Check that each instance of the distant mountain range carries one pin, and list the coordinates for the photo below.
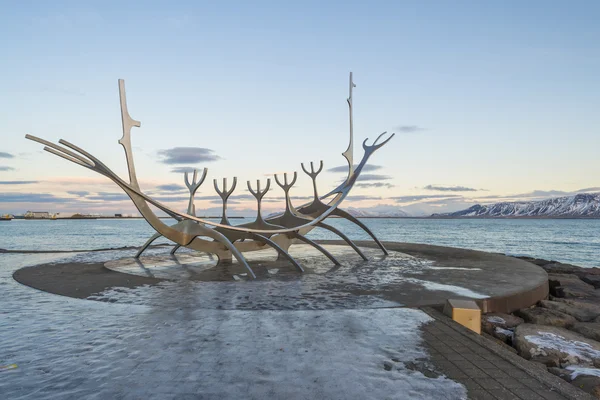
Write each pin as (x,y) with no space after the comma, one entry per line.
(385,213)
(583,205)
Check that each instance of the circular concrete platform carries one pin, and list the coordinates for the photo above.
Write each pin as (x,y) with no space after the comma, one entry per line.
(412,275)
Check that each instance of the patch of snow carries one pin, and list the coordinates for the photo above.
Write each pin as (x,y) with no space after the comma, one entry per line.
(575,349)
(506,332)
(458,290)
(494,319)
(458,268)
(583,371)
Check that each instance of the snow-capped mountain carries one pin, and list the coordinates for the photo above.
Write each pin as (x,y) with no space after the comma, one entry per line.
(377,212)
(584,205)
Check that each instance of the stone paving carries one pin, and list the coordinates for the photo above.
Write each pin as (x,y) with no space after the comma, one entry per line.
(487,370)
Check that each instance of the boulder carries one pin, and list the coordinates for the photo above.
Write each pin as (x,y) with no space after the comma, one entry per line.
(500,325)
(554,267)
(537,261)
(545,316)
(590,330)
(561,373)
(591,306)
(558,344)
(593,280)
(569,286)
(505,321)
(588,383)
(583,313)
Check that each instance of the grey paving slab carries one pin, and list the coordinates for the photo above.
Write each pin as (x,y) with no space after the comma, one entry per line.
(487,370)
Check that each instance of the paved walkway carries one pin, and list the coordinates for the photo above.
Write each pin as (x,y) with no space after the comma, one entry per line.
(488,370)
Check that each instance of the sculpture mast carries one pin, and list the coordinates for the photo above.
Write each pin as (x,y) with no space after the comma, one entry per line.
(349,153)
(125,141)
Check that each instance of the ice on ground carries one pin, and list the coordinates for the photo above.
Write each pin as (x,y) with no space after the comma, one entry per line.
(506,332)
(577,351)
(494,319)
(458,290)
(583,371)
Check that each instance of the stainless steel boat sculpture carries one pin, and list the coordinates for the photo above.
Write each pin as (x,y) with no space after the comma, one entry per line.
(223,239)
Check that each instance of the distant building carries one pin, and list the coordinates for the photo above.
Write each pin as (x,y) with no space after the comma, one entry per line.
(118,215)
(37,215)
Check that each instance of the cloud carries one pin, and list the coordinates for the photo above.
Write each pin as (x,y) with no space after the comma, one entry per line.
(107,196)
(171,199)
(373,177)
(182,170)
(6,155)
(421,197)
(590,189)
(171,187)
(80,193)
(17,182)
(359,197)
(5,168)
(32,198)
(409,128)
(374,185)
(450,188)
(187,155)
(344,168)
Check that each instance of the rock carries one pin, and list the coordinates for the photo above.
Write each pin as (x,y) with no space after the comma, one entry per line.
(549,361)
(554,267)
(569,286)
(505,321)
(505,335)
(500,325)
(565,347)
(597,319)
(590,330)
(545,316)
(593,280)
(591,306)
(561,373)
(537,261)
(583,314)
(588,383)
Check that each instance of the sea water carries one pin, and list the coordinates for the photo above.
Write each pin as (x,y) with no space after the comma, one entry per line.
(575,241)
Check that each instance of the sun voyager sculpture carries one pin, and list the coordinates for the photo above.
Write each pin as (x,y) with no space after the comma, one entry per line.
(223,239)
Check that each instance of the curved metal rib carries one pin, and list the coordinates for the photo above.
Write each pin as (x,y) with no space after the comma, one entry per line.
(281,251)
(174,249)
(346,239)
(148,243)
(349,217)
(316,246)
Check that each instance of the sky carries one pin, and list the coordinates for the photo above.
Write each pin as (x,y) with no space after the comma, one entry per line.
(490,101)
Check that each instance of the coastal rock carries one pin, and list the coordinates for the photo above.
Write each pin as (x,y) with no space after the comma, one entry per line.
(593,280)
(561,373)
(591,306)
(537,261)
(583,314)
(569,286)
(545,316)
(490,321)
(500,325)
(549,342)
(554,267)
(506,321)
(588,329)
(589,384)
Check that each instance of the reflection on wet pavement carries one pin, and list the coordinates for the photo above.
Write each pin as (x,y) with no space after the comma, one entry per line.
(72,349)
